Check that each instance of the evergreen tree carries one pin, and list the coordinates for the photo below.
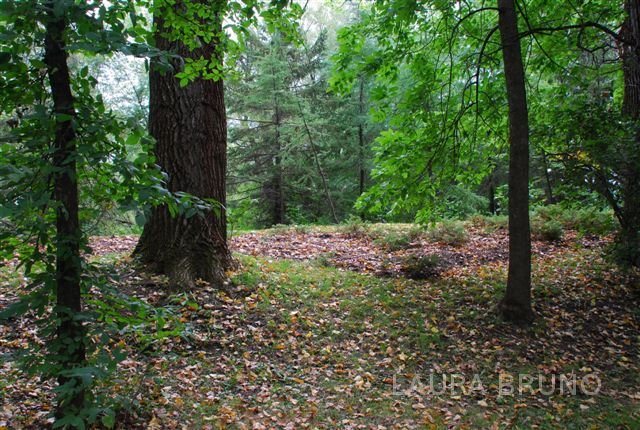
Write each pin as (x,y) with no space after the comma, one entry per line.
(298,152)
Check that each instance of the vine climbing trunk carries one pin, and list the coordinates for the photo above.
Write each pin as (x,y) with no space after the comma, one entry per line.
(189,126)
(516,303)
(69,345)
(629,215)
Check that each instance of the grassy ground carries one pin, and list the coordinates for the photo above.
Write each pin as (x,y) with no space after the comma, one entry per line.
(303,344)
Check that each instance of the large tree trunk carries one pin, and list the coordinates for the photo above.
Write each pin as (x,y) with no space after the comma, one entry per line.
(516,303)
(69,345)
(189,125)
(629,237)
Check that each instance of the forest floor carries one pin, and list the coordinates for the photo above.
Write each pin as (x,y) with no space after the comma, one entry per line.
(323,328)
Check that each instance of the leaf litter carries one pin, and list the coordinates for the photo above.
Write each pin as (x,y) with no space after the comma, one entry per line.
(320,329)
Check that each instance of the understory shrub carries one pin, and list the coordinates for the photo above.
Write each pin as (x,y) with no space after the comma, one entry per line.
(325,259)
(589,220)
(449,232)
(549,231)
(394,241)
(300,228)
(461,203)
(280,229)
(490,223)
(354,226)
(421,266)
(399,239)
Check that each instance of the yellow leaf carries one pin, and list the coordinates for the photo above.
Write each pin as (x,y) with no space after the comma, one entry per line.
(154,424)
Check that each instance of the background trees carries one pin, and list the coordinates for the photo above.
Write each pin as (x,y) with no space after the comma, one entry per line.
(297,153)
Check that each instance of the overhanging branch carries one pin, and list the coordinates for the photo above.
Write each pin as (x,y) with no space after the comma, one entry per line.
(580,26)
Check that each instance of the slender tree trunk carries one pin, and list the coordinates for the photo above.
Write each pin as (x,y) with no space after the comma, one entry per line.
(493,205)
(629,237)
(189,125)
(278,212)
(316,158)
(69,344)
(278,209)
(516,303)
(361,142)
(550,199)
(492,198)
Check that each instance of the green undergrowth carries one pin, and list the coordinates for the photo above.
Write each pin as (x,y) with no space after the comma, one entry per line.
(345,336)
(307,345)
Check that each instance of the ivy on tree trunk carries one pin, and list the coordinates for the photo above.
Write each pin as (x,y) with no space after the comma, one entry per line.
(189,126)
(69,344)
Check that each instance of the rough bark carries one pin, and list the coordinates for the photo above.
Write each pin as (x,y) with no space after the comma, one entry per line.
(189,126)
(629,237)
(516,303)
(69,344)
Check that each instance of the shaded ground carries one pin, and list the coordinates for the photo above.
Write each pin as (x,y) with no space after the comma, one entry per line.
(301,342)
(366,252)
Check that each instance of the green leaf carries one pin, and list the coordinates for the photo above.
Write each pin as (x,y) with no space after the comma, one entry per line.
(109,419)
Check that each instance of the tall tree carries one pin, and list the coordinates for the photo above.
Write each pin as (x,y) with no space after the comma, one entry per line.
(293,147)
(262,154)
(69,346)
(188,122)
(629,213)
(516,303)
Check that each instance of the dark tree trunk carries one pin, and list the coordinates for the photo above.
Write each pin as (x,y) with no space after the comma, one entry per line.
(189,125)
(629,237)
(69,344)
(516,303)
